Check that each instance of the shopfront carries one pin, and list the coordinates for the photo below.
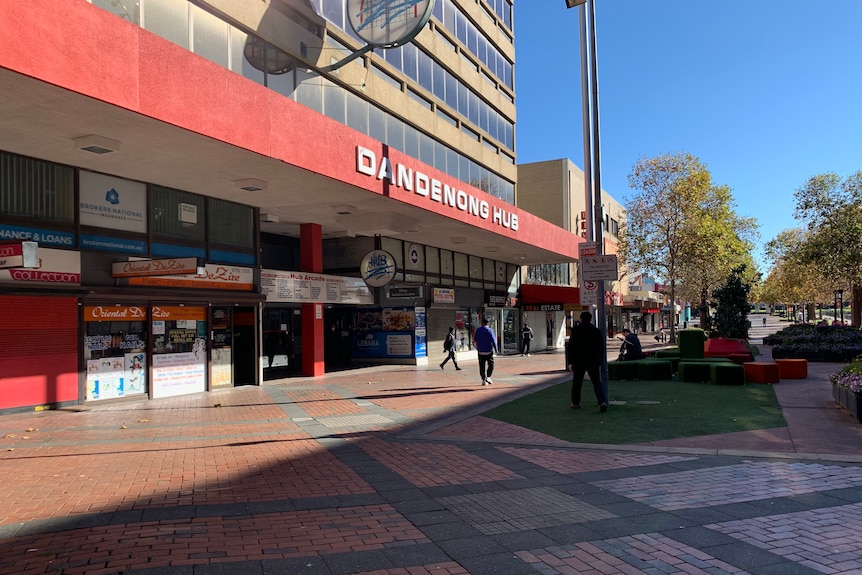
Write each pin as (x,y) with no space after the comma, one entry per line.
(551,311)
(335,298)
(503,313)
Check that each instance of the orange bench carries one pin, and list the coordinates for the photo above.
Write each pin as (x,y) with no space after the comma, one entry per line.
(761,372)
(792,368)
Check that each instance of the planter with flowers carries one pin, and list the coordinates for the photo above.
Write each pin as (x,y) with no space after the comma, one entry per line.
(816,343)
(847,388)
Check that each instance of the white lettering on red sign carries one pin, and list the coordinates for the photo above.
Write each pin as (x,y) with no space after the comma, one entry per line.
(421,184)
(100,312)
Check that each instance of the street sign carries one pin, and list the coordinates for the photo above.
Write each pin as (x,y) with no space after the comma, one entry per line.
(597,268)
(586,249)
(589,293)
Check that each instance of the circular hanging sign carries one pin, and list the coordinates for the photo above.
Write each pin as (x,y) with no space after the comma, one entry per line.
(388,23)
(377,268)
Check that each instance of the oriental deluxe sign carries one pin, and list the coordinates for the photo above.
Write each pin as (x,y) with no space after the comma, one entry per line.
(140,268)
(433,190)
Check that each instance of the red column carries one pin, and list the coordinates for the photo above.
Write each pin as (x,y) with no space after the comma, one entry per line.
(311,260)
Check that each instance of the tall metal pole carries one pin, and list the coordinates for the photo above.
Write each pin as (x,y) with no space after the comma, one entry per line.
(601,320)
(586,120)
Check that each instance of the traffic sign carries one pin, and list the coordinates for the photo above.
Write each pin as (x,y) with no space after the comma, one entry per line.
(586,249)
(596,268)
(589,293)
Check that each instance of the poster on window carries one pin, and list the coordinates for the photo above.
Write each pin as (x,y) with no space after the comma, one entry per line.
(135,376)
(105,378)
(179,373)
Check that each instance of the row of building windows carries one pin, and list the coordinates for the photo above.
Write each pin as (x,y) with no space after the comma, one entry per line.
(195,29)
(434,265)
(548,274)
(38,192)
(503,10)
(470,36)
(428,73)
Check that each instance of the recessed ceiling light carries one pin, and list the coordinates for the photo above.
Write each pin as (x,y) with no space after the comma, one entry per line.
(458,240)
(250,185)
(344,209)
(96,144)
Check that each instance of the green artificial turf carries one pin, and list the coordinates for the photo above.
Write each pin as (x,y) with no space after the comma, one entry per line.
(652,411)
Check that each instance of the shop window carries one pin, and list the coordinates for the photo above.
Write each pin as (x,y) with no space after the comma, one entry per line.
(177,214)
(35,189)
(462,269)
(231,224)
(447,265)
(115,351)
(179,350)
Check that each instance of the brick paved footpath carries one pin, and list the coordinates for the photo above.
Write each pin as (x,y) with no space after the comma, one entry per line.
(393,471)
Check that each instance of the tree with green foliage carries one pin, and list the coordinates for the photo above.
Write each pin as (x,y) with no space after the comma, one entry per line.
(680,228)
(832,209)
(720,241)
(731,307)
(793,278)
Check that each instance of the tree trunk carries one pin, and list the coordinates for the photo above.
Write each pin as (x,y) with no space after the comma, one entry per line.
(856,306)
(704,310)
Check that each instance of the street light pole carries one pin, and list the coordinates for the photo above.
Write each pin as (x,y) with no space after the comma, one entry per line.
(592,156)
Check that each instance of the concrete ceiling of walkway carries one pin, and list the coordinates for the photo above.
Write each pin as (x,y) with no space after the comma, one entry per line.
(41,120)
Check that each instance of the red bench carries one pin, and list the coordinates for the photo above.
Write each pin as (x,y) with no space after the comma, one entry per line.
(735,349)
(792,368)
(761,372)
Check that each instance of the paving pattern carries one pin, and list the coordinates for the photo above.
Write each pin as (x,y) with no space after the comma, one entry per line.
(651,554)
(828,540)
(395,471)
(747,481)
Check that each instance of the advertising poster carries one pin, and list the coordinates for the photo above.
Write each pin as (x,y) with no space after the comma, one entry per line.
(135,373)
(178,373)
(105,378)
(386,332)
(111,202)
(421,333)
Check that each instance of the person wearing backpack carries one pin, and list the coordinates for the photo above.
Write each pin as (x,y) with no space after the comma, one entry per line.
(449,347)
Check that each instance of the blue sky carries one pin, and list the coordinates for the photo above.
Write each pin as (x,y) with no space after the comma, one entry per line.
(767,93)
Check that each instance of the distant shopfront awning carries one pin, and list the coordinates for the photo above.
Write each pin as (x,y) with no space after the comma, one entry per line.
(541,294)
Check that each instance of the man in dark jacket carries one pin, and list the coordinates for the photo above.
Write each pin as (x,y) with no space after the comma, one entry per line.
(631,346)
(584,354)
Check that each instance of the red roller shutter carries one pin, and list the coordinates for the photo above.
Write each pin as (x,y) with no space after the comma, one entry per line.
(38,351)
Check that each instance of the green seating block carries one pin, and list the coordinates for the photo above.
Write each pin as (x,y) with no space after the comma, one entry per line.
(619,370)
(694,371)
(667,352)
(690,342)
(727,374)
(654,369)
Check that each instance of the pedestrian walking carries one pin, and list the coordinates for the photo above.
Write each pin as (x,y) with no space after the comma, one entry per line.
(584,354)
(449,348)
(485,341)
(526,338)
(764,320)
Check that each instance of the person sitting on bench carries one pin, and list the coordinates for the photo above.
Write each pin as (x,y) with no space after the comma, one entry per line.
(631,346)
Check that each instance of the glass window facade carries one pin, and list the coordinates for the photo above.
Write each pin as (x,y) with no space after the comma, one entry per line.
(193,28)
(35,189)
(177,214)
